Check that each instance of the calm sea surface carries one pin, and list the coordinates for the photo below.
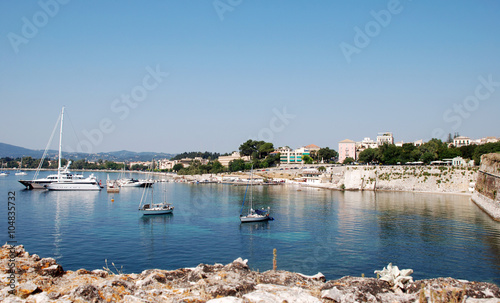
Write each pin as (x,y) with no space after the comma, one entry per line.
(336,233)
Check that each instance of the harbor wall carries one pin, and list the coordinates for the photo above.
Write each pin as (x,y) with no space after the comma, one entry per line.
(446,179)
(487,190)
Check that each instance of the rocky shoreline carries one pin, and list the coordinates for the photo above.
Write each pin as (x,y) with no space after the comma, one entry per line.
(43,280)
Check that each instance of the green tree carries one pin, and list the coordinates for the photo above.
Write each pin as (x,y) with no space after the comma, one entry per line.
(369,155)
(348,160)
(177,167)
(264,149)
(450,139)
(307,159)
(326,154)
(237,165)
(217,167)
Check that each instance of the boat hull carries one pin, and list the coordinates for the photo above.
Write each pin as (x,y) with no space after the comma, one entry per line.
(156,209)
(257,218)
(73,186)
(156,212)
(30,184)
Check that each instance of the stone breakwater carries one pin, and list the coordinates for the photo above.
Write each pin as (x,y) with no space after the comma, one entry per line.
(487,193)
(43,280)
(438,179)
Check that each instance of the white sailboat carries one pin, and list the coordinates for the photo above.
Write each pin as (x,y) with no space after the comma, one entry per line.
(253,215)
(153,208)
(19,172)
(3,173)
(68,181)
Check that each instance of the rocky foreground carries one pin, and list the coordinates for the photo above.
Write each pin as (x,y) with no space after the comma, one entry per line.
(43,280)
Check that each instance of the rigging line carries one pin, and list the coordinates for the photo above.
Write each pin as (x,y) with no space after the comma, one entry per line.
(74,130)
(46,148)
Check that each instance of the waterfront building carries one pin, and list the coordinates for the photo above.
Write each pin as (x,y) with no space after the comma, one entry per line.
(485,140)
(459,161)
(164,164)
(418,143)
(148,163)
(224,160)
(347,148)
(461,141)
(385,137)
(312,147)
(289,156)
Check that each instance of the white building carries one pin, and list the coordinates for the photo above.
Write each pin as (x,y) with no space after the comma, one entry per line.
(289,156)
(224,160)
(461,141)
(459,161)
(383,138)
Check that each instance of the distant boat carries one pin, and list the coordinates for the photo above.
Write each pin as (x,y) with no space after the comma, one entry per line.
(253,215)
(112,186)
(19,172)
(2,172)
(131,182)
(153,208)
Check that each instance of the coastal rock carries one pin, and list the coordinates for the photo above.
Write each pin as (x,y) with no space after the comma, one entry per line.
(267,293)
(218,283)
(26,289)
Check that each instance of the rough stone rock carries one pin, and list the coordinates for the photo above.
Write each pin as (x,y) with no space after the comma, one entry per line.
(88,292)
(234,282)
(226,300)
(55,270)
(267,293)
(26,289)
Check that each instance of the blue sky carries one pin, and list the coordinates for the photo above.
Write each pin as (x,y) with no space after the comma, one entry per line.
(238,69)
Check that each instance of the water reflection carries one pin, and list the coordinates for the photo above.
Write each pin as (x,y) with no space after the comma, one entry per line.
(153,220)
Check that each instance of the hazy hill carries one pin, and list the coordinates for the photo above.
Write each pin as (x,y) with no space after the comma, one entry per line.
(8,150)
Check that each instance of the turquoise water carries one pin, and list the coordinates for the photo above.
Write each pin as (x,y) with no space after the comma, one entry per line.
(336,233)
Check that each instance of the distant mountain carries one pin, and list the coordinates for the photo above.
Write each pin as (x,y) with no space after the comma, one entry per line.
(7,150)
(12,151)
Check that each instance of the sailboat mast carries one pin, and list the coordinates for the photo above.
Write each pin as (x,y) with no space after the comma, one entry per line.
(251,187)
(60,147)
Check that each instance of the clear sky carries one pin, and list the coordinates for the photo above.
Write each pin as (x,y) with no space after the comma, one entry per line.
(174,76)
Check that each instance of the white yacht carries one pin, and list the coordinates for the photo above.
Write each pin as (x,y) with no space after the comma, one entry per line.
(41,183)
(64,179)
(134,183)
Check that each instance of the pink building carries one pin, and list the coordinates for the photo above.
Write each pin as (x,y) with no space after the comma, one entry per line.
(347,148)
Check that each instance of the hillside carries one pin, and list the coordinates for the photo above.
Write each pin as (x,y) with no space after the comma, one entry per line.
(12,151)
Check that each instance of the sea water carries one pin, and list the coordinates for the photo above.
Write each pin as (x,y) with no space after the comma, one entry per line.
(332,232)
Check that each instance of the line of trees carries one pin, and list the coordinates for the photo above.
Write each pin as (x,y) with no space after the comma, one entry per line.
(435,149)
(29,162)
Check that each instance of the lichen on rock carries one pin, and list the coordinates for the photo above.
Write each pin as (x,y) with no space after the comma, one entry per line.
(43,280)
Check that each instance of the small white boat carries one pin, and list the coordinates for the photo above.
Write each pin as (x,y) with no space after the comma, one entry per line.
(3,173)
(156,209)
(134,183)
(19,172)
(153,208)
(253,215)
